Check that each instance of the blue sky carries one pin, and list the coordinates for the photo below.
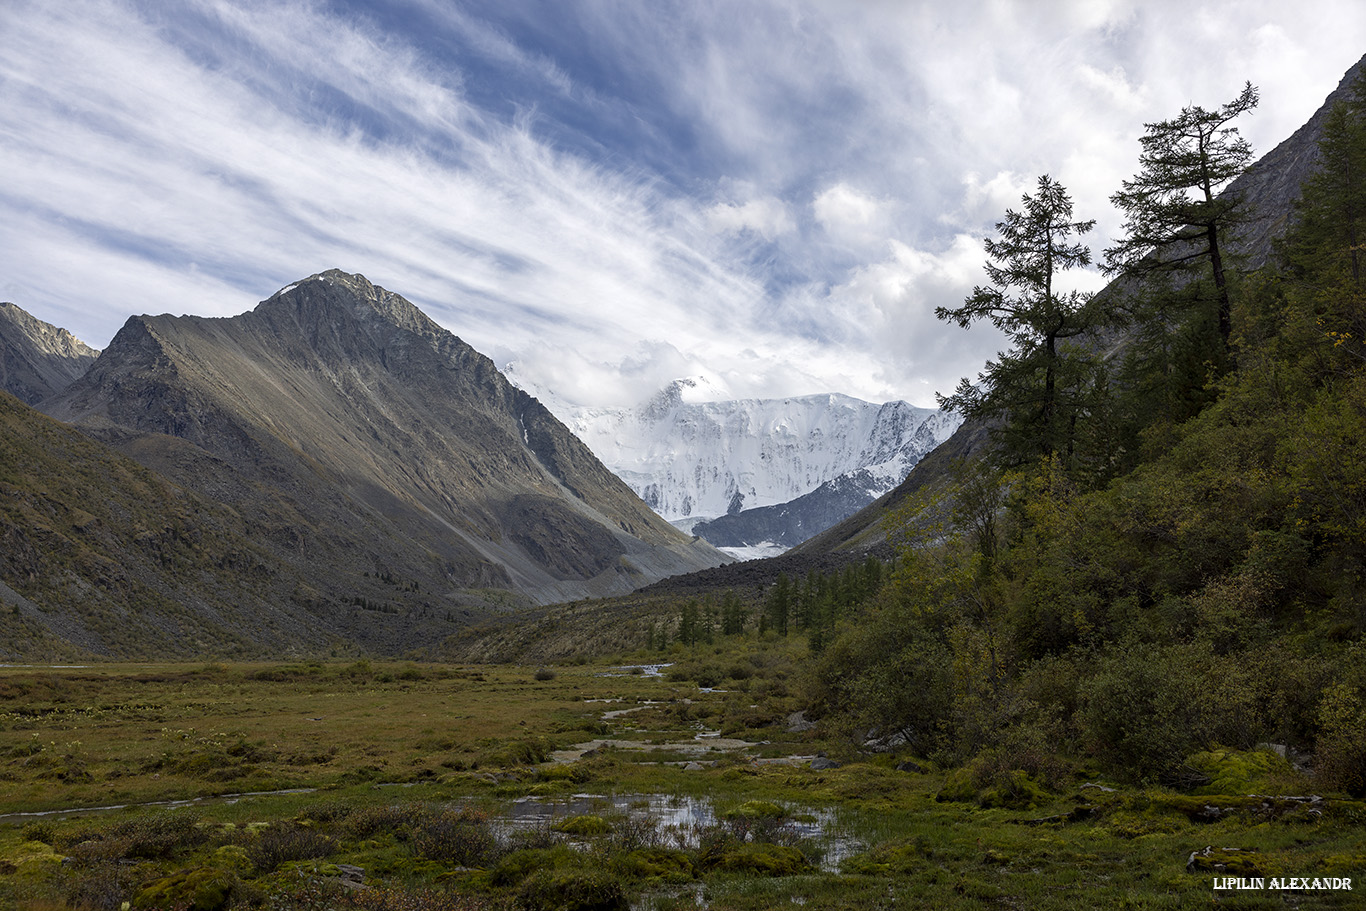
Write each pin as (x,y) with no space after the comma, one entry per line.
(606,195)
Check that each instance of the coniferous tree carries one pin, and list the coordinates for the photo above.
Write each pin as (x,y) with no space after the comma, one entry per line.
(1330,234)
(688,623)
(1034,387)
(732,614)
(1175,218)
(780,604)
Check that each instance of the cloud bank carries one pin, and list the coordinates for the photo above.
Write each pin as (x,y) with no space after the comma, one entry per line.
(610,194)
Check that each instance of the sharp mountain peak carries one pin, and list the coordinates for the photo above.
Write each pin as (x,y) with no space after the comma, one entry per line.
(384,435)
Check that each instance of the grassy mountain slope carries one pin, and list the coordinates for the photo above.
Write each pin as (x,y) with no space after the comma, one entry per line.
(100,556)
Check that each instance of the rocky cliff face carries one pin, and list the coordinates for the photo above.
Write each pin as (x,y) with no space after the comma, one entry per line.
(37,359)
(1271,186)
(355,433)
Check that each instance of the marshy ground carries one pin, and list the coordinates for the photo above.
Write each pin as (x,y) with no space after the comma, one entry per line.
(594,785)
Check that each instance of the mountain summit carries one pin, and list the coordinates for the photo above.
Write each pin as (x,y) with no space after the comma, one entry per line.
(744,472)
(359,435)
(37,359)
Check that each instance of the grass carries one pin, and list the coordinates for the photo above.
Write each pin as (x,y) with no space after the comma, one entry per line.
(414,764)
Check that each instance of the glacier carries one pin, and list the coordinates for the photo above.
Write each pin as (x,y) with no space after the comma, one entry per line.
(692,457)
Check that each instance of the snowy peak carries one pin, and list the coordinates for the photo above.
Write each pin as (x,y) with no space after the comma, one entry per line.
(690,455)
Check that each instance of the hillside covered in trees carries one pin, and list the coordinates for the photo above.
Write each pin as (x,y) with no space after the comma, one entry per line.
(1164,551)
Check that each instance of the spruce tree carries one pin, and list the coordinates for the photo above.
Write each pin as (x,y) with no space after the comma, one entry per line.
(780,604)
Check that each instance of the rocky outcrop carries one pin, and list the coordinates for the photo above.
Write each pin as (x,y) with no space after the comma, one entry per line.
(791,523)
(37,359)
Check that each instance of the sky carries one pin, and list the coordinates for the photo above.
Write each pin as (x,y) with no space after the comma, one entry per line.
(607,194)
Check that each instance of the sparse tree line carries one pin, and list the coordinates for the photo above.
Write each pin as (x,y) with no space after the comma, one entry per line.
(1061,392)
(812,604)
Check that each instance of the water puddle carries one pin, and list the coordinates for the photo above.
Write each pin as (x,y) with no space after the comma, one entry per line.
(188,802)
(674,821)
(637,670)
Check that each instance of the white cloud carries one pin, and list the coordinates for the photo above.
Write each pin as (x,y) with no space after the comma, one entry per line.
(768,217)
(777,192)
(852,218)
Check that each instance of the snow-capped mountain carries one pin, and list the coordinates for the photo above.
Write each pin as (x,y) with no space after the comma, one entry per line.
(691,458)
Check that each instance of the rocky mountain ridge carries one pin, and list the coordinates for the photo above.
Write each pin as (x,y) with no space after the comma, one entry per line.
(38,359)
(387,481)
(348,403)
(780,469)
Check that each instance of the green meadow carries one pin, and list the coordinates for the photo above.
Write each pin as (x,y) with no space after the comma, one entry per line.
(590,785)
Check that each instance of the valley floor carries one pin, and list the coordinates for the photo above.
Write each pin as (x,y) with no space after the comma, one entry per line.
(594,785)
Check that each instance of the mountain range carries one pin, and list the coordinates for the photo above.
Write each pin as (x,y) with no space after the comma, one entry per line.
(333,471)
(748,473)
(377,466)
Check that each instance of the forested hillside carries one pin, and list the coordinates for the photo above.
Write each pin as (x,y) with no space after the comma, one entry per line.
(1164,552)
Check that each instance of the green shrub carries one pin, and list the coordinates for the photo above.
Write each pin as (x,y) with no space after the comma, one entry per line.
(959,785)
(582,825)
(531,751)
(1014,790)
(761,859)
(571,890)
(142,838)
(281,843)
(462,837)
(327,811)
(1238,772)
(650,863)
(203,889)
(39,830)
(1340,757)
(515,867)
(397,819)
(1148,707)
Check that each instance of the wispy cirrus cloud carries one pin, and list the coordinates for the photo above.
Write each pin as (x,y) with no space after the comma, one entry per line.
(609,193)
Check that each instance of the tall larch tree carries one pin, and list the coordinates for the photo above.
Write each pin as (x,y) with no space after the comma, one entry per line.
(1175,217)
(1025,387)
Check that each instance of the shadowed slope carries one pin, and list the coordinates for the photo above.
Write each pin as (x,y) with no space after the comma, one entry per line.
(37,359)
(358,434)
